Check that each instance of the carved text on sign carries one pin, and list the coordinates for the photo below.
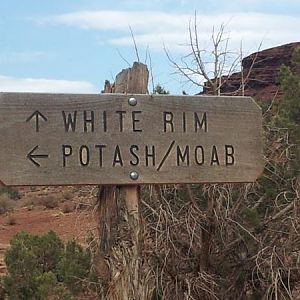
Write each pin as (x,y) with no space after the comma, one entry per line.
(92,139)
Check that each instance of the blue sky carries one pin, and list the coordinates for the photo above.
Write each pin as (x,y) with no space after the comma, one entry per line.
(74,45)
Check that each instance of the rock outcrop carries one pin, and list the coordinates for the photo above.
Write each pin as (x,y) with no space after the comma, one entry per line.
(262,80)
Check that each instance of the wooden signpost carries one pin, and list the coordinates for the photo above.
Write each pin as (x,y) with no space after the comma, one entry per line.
(66,139)
(127,139)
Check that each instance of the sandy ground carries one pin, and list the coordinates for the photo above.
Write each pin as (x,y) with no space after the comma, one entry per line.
(38,220)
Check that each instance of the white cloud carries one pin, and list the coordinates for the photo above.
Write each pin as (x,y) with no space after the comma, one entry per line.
(140,21)
(155,28)
(20,57)
(12,84)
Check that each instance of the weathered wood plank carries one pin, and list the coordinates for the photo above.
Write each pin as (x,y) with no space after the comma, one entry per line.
(130,285)
(63,139)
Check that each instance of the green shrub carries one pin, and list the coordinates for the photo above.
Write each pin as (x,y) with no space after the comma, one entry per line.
(49,287)
(41,267)
(74,266)
(13,193)
(49,202)
(6,204)
(2,290)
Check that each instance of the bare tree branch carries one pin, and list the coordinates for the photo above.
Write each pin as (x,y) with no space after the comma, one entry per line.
(135,46)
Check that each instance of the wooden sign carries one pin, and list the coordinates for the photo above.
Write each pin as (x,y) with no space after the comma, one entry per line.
(66,139)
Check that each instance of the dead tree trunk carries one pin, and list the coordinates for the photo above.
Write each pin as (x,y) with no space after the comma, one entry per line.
(119,263)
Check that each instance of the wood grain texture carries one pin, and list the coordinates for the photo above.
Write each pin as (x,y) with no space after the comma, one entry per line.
(160,138)
(131,80)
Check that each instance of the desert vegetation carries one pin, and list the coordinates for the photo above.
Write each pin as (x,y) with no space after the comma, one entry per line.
(233,241)
(202,241)
(43,267)
(230,241)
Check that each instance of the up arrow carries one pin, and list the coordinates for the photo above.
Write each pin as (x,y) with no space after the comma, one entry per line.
(32,156)
(37,115)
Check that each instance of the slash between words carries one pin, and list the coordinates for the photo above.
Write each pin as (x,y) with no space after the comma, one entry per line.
(115,155)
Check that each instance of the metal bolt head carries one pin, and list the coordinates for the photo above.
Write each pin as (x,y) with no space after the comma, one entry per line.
(132,101)
(134,175)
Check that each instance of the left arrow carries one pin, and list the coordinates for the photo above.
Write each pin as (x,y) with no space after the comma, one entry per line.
(32,156)
(37,115)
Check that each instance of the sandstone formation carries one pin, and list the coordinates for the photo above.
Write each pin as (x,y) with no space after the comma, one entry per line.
(262,80)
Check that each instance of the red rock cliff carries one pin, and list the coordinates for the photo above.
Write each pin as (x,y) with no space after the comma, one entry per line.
(262,81)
